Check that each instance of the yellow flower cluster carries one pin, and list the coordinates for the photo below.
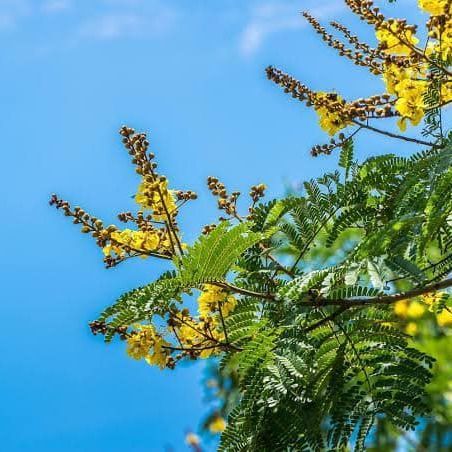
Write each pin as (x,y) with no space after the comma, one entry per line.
(411,310)
(410,102)
(202,334)
(415,309)
(331,120)
(157,197)
(136,240)
(394,39)
(409,84)
(409,88)
(435,7)
(140,343)
(212,297)
(207,330)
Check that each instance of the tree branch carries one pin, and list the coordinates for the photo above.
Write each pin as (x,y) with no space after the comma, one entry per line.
(383,299)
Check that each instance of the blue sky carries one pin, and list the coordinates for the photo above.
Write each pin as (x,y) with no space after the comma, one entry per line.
(191,73)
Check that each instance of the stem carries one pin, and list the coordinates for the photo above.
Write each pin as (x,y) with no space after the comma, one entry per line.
(241,291)
(392,135)
(306,247)
(276,262)
(147,253)
(195,329)
(347,302)
(190,349)
(326,319)
(168,231)
(223,324)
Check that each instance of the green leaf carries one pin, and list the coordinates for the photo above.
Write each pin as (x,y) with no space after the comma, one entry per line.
(213,255)
(346,156)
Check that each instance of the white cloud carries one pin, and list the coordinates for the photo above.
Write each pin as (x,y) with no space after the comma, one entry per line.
(153,20)
(114,18)
(278,16)
(56,6)
(126,18)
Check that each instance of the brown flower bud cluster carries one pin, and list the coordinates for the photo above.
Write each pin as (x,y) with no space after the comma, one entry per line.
(257,192)
(157,232)
(101,328)
(226,201)
(186,195)
(377,106)
(363,56)
(208,228)
(326,149)
(89,224)
(144,222)
(366,11)
(137,146)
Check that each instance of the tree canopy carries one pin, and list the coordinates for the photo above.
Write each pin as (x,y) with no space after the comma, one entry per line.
(307,297)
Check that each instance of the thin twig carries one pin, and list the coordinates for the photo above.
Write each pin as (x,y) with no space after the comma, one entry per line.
(308,244)
(222,323)
(392,135)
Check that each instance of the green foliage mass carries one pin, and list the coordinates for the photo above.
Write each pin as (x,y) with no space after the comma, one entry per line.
(311,377)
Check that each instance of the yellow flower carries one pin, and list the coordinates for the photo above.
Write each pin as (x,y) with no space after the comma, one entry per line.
(434,7)
(415,310)
(331,118)
(410,103)
(394,40)
(444,318)
(411,328)
(401,308)
(217,425)
(211,297)
(154,240)
(393,75)
(160,354)
(155,196)
(109,249)
(200,334)
(140,343)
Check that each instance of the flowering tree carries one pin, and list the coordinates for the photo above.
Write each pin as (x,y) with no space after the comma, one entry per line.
(319,346)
